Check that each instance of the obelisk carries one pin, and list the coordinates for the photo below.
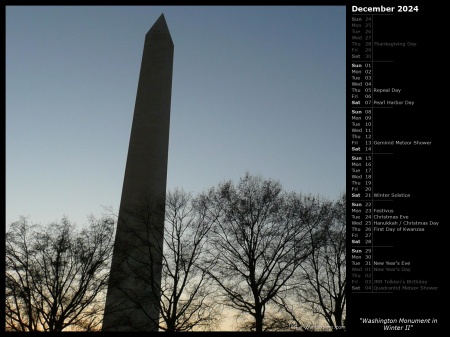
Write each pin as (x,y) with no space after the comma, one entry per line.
(133,290)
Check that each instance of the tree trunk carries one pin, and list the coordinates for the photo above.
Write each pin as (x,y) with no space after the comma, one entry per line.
(338,316)
(259,319)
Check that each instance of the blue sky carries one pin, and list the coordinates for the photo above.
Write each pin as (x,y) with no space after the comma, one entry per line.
(258,89)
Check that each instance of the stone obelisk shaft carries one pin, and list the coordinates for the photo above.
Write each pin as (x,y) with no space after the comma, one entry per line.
(133,296)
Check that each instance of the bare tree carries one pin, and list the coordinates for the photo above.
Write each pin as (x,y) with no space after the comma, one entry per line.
(321,290)
(56,276)
(260,237)
(185,291)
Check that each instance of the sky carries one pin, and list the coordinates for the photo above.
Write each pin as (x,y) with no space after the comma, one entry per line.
(255,89)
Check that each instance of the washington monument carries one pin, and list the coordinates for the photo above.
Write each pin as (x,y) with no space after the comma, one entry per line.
(132,299)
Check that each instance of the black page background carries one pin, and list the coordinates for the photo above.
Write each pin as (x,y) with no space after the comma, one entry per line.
(414,170)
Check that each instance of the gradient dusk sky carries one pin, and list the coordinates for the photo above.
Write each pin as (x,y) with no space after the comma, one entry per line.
(257,89)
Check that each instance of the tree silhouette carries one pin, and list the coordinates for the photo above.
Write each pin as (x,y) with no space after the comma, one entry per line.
(322,278)
(271,255)
(184,291)
(56,276)
(260,236)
